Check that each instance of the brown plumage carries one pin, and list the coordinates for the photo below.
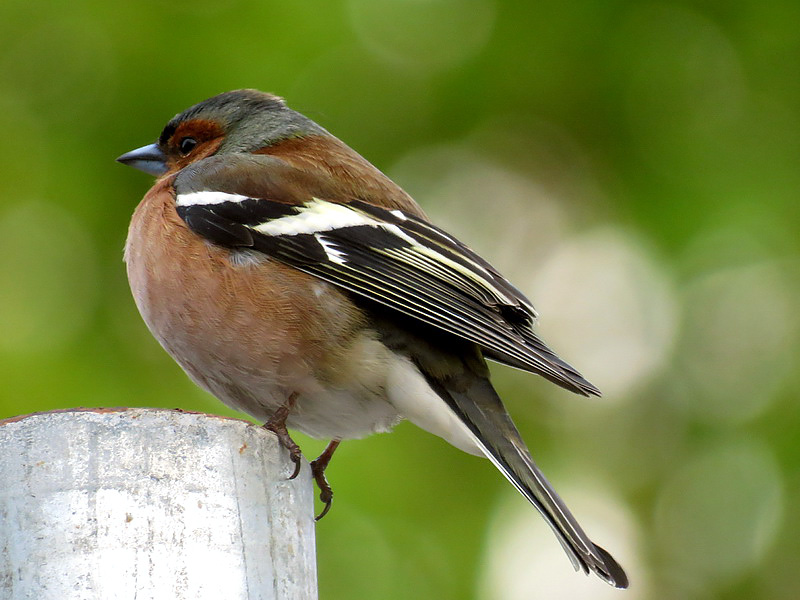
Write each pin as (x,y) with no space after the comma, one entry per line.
(208,305)
(355,177)
(294,281)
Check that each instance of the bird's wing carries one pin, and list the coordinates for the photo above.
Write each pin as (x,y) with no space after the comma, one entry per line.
(387,256)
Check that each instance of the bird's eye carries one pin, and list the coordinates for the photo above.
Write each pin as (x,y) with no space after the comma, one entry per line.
(186,145)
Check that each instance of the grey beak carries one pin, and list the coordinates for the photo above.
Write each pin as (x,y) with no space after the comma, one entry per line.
(149,159)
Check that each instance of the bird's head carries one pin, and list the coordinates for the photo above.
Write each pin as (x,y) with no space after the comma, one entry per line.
(241,121)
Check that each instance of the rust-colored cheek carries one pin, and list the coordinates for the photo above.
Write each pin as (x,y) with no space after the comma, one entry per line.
(201,151)
(209,136)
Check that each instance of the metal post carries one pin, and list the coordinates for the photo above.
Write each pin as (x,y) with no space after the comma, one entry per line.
(151,504)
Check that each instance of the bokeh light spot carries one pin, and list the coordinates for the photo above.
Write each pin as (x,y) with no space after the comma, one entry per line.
(719,513)
(503,215)
(393,30)
(525,562)
(736,347)
(683,87)
(610,306)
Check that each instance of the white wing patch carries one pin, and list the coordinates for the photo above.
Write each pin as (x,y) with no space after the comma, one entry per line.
(207,198)
(315,217)
(319,216)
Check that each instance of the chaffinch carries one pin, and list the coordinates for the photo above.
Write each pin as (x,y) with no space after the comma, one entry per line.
(294,281)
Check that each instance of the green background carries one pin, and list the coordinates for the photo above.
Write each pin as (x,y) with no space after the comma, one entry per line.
(632,166)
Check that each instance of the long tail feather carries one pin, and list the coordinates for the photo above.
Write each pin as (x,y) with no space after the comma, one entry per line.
(481,410)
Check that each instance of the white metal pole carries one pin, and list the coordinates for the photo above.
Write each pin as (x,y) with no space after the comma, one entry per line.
(105,504)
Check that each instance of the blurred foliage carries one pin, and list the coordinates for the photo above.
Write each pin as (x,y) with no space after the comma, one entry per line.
(632,165)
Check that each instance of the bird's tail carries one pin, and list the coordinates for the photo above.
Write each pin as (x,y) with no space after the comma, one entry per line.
(481,410)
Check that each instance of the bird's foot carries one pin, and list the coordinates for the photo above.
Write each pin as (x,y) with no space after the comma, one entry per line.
(277,425)
(318,467)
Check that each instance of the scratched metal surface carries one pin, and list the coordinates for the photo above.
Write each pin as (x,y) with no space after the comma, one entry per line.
(149,503)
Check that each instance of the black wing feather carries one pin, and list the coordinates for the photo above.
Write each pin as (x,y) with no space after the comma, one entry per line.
(399,261)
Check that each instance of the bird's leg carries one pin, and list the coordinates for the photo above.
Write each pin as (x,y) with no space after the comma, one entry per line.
(318,467)
(277,425)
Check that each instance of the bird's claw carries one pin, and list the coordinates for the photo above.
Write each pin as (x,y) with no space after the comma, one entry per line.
(318,467)
(277,425)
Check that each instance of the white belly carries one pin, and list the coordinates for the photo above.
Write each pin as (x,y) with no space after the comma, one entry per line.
(379,389)
(352,405)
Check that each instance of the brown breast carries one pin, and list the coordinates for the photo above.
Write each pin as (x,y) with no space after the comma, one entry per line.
(211,312)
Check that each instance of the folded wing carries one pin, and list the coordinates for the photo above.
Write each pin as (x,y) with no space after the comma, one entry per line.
(387,256)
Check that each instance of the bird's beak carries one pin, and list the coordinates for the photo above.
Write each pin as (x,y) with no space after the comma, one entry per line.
(149,159)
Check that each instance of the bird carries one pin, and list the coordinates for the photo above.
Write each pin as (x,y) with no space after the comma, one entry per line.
(297,283)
